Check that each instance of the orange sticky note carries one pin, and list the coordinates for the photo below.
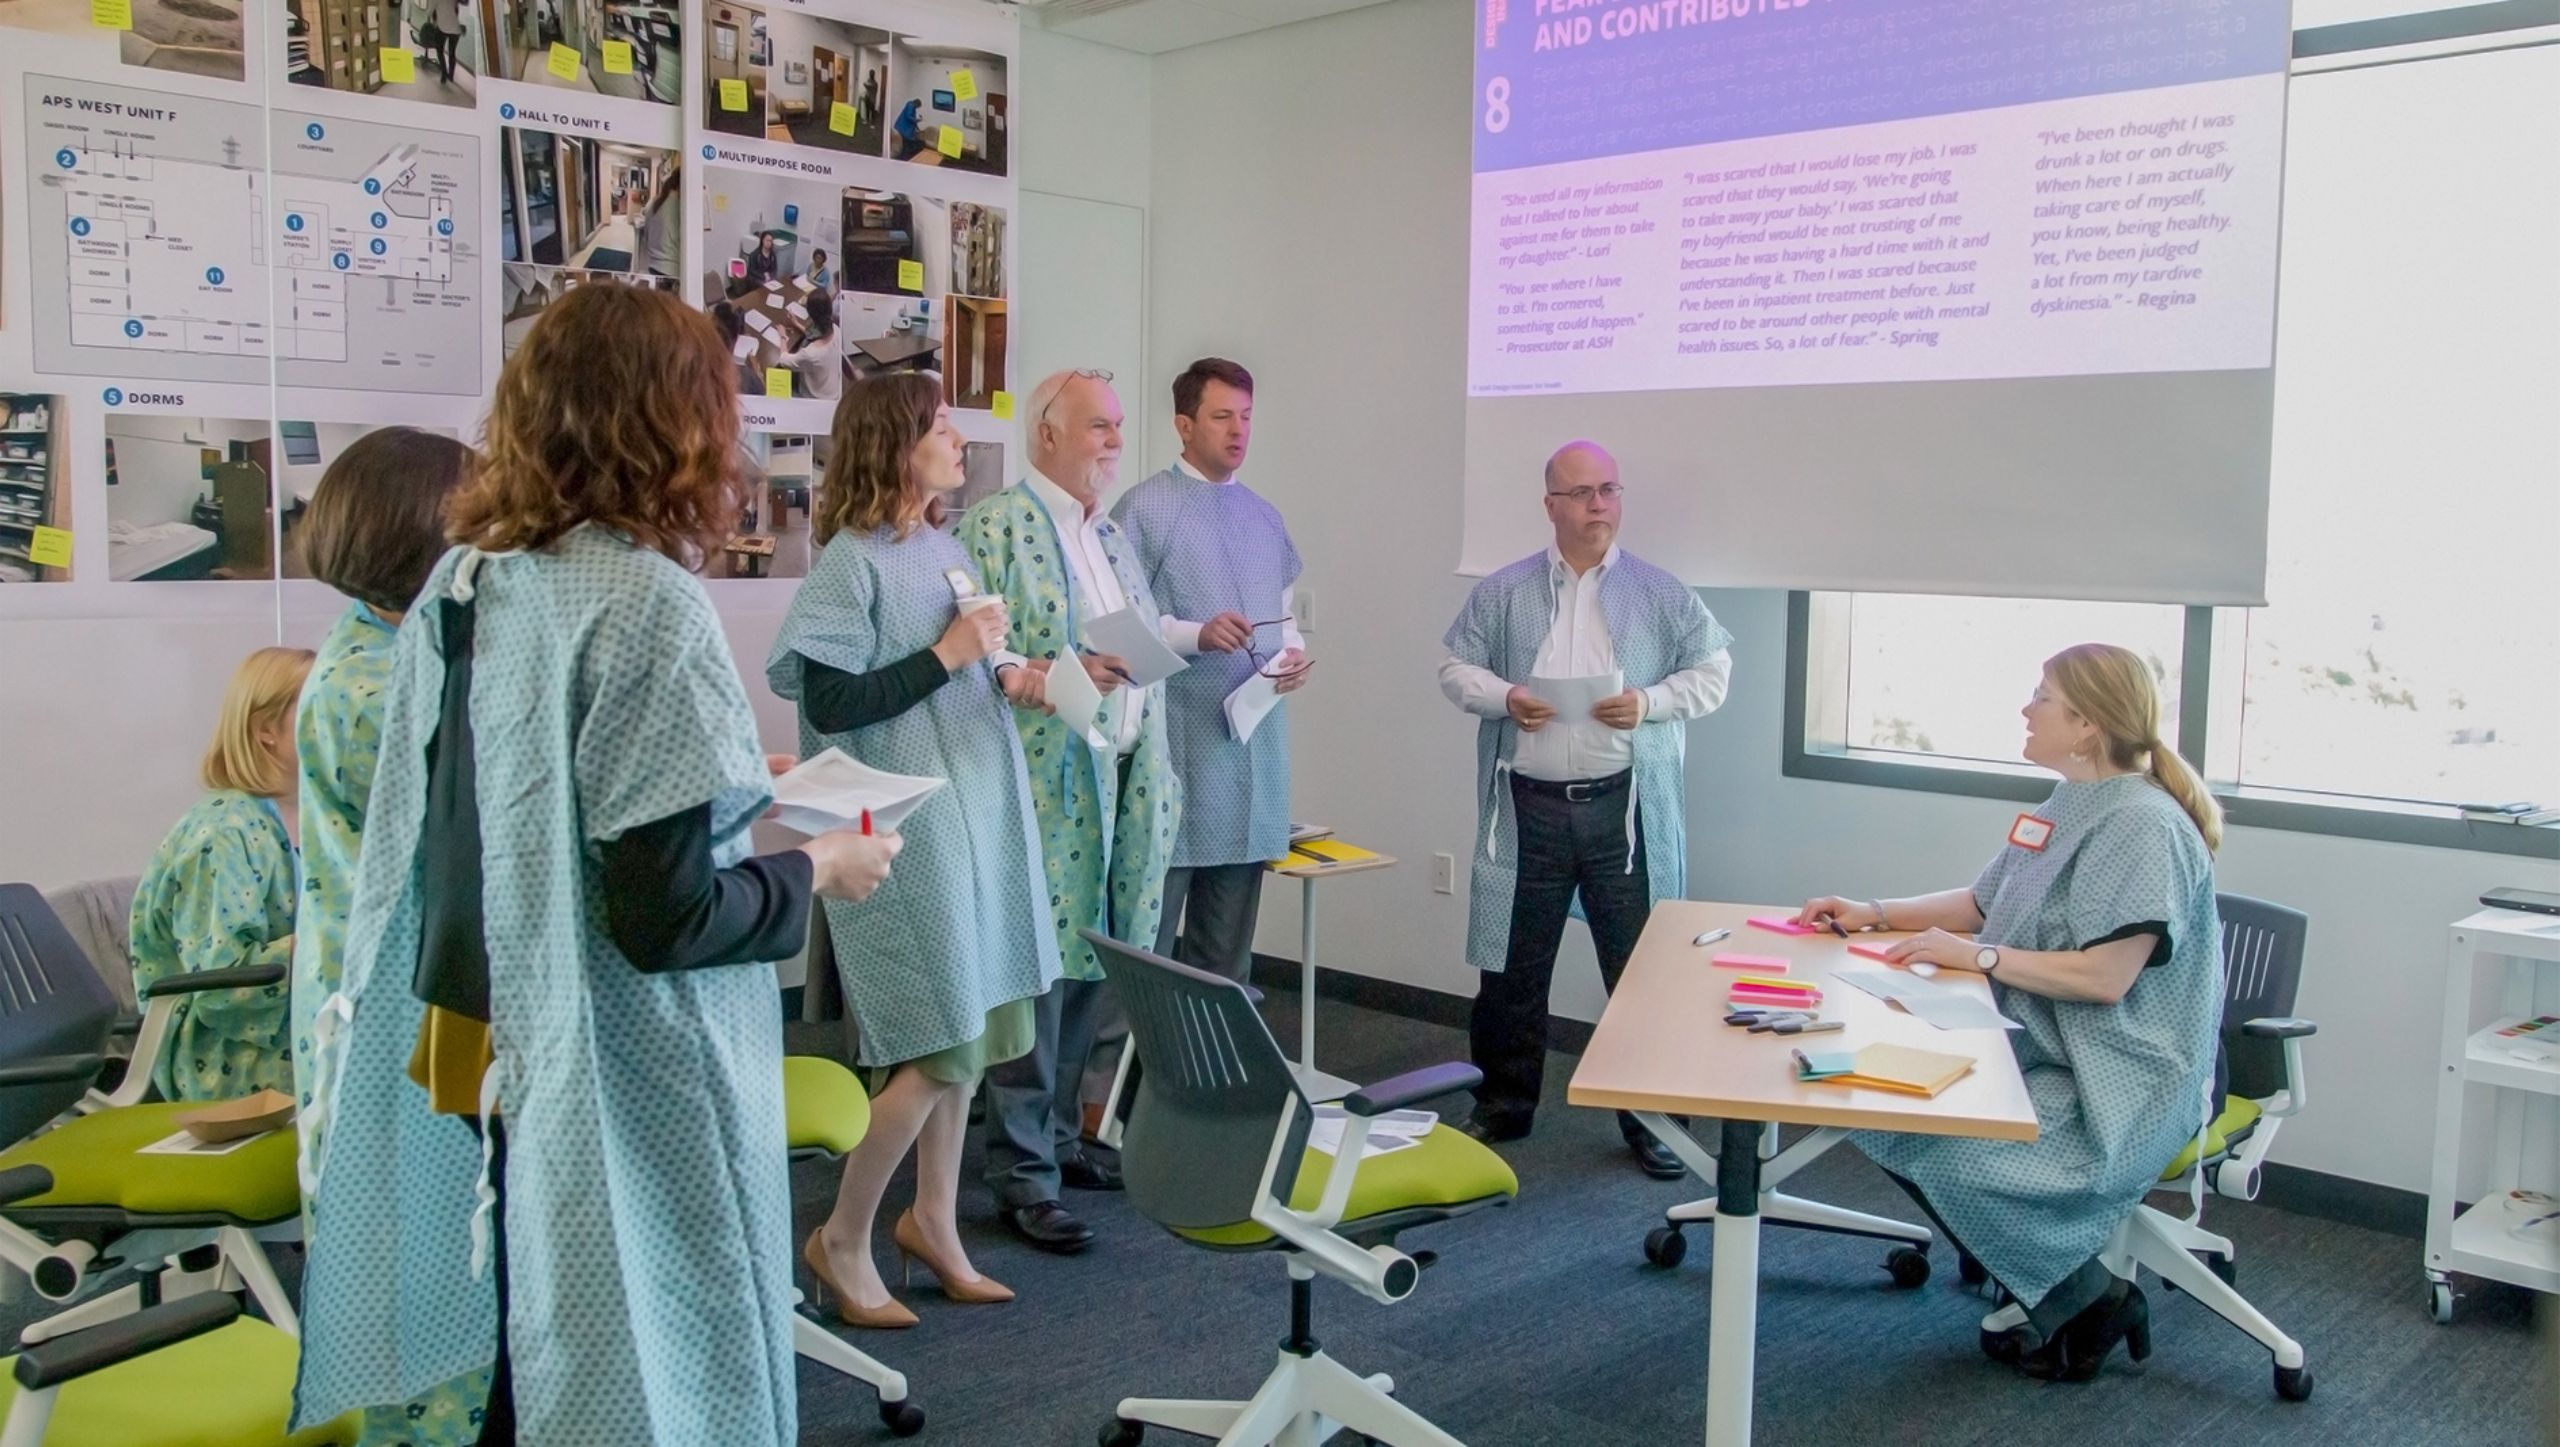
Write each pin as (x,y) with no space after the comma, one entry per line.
(399,67)
(564,61)
(1003,405)
(51,548)
(910,276)
(964,84)
(617,57)
(777,383)
(1780,924)
(733,95)
(1774,964)
(111,14)
(1873,952)
(840,118)
(950,142)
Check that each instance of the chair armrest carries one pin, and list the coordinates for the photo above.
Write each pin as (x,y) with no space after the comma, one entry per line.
(2278,1028)
(52,1070)
(64,1358)
(1412,1087)
(127,1023)
(239,977)
(20,1182)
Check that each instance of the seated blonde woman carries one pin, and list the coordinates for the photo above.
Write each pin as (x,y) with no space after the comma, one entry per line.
(219,893)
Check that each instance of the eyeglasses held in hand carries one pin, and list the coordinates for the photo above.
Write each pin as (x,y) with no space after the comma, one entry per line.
(1262,662)
(1582,496)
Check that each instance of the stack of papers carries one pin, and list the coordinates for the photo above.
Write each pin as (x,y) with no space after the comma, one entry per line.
(1325,853)
(833,791)
(1885,1067)
(1135,641)
(1397,1130)
(1940,1005)
(1573,698)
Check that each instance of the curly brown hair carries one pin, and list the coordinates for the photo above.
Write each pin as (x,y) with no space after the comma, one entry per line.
(869,485)
(620,409)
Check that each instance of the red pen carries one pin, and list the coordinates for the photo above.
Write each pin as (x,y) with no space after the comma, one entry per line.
(866,822)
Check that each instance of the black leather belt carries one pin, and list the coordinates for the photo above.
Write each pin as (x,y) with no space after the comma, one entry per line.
(1575,791)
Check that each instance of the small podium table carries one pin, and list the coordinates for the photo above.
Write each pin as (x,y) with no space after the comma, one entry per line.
(1318,1085)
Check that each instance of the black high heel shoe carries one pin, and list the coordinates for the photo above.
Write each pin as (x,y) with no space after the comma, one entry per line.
(2075,1353)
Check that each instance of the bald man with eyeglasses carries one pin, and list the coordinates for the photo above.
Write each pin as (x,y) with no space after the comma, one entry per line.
(1565,806)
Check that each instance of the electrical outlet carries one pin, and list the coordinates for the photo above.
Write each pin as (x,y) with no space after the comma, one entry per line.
(1302,608)
(1444,874)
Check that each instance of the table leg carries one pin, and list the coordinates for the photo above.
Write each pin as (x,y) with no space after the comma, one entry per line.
(1318,1085)
(1734,1302)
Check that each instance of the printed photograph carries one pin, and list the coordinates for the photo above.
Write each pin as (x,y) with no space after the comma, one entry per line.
(192,37)
(823,283)
(631,51)
(422,50)
(35,491)
(575,211)
(948,105)
(189,498)
(782,74)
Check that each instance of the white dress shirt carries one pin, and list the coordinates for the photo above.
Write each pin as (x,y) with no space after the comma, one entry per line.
(1098,592)
(1183,636)
(1579,646)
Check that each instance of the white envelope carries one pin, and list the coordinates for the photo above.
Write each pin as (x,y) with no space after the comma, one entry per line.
(1245,708)
(1137,642)
(1071,692)
(832,790)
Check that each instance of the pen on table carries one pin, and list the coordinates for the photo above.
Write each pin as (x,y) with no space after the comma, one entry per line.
(1711,936)
(1809,1027)
(1836,927)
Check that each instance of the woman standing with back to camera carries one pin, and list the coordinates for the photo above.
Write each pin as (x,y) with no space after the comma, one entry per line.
(556,932)
(940,967)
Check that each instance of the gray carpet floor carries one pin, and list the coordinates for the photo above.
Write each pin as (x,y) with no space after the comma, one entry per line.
(1543,1326)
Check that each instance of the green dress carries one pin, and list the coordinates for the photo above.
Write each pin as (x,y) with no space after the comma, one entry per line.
(218,896)
(338,734)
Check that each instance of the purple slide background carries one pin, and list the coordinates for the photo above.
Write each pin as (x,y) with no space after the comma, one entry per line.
(1824,63)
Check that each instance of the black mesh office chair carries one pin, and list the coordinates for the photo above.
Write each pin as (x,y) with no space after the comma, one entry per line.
(1216,1151)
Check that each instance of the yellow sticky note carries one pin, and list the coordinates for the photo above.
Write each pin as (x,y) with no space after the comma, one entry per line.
(617,57)
(840,118)
(52,546)
(964,84)
(777,382)
(112,15)
(399,67)
(564,61)
(1003,405)
(719,202)
(910,276)
(733,95)
(950,142)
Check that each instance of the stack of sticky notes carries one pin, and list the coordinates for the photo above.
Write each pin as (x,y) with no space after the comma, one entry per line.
(1885,1067)
(1770,990)
(1766,964)
(1782,925)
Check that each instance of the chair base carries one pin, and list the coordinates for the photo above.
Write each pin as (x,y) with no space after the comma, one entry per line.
(808,1339)
(1304,1401)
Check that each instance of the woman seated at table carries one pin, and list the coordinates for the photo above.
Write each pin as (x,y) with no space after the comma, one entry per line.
(219,893)
(818,362)
(2096,925)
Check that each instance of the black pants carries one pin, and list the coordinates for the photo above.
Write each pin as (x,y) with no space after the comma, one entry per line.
(498,1421)
(1571,838)
(447,42)
(2068,1298)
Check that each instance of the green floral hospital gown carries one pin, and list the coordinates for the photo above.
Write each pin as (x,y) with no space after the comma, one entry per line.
(219,895)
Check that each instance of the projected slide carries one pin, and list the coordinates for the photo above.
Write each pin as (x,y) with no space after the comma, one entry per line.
(1726,193)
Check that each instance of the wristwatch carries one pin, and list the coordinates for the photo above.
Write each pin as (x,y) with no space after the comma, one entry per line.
(1987,958)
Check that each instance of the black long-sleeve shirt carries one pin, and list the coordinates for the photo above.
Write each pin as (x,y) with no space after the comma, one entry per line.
(835,701)
(668,909)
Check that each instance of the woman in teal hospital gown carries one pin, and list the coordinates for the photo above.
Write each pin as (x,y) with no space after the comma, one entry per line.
(2097,926)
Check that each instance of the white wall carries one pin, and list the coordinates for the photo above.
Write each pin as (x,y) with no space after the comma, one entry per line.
(1323,243)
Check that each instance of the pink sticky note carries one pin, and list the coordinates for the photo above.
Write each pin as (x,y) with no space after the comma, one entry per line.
(1780,924)
(1873,952)
(1774,964)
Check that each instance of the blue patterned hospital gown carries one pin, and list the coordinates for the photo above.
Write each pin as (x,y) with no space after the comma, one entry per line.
(218,895)
(2118,1089)
(648,1217)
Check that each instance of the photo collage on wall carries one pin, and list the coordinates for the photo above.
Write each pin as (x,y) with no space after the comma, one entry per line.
(236,235)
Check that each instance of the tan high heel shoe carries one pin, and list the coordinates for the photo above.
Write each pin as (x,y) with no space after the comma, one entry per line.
(889,1316)
(984,1291)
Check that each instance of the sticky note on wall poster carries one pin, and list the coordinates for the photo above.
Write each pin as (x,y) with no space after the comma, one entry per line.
(50,549)
(617,57)
(399,67)
(564,61)
(950,142)
(1003,405)
(733,95)
(840,118)
(964,84)
(910,276)
(111,14)
(777,383)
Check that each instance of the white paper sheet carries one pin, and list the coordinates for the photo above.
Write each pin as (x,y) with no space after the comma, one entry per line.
(1397,1130)
(831,791)
(797,310)
(1247,706)
(183,1144)
(1941,1005)
(1572,698)
(1072,694)
(1136,642)
(743,348)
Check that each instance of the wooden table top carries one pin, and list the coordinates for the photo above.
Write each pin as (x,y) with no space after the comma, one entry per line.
(1663,1045)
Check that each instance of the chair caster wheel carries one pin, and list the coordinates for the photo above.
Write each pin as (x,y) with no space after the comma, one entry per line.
(1119,1433)
(2224,1267)
(903,1417)
(1665,1247)
(2294,1383)
(2440,1302)
(1910,1267)
(1970,1271)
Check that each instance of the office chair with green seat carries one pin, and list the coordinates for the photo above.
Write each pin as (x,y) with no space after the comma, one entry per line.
(2262,948)
(186,1373)
(211,1210)
(1215,1150)
(825,1114)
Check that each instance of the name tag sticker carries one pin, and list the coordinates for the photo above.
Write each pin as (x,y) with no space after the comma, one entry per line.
(962,585)
(2031,832)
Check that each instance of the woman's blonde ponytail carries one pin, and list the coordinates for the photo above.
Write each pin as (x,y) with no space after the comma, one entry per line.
(2112,688)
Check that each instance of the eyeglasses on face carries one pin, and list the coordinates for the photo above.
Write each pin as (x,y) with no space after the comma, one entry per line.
(1582,496)
(1090,374)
